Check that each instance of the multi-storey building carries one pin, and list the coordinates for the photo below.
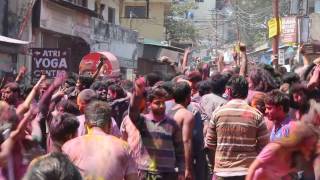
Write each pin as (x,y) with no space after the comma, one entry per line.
(146,16)
(73,28)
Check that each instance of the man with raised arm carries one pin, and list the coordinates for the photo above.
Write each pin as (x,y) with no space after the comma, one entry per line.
(160,141)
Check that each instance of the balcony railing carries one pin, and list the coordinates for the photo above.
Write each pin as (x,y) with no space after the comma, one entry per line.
(104,31)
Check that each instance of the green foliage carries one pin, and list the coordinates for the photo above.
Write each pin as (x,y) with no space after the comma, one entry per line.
(178,28)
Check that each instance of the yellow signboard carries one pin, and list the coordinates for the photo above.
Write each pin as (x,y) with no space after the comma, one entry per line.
(272,26)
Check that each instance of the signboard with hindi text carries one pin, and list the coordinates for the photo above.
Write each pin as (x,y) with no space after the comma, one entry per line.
(49,61)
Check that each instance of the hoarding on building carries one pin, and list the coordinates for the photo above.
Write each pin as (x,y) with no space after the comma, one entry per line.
(49,61)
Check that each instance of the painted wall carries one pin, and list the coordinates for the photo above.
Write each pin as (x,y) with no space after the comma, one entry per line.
(152,28)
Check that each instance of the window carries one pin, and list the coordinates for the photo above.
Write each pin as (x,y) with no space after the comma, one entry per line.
(49,41)
(219,4)
(317,6)
(111,15)
(83,3)
(199,0)
(135,11)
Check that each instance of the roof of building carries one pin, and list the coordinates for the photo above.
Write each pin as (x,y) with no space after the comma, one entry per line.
(5,39)
(163,44)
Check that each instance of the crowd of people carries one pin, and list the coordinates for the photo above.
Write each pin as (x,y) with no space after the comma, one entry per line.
(235,124)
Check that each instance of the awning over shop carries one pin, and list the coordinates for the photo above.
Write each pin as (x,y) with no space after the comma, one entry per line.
(162,44)
(90,62)
(159,51)
(5,39)
(11,46)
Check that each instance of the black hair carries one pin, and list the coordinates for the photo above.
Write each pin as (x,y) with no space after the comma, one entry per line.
(85,80)
(278,98)
(98,114)
(168,86)
(262,80)
(69,106)
(194,76)
(290,78)
(204,87)
(119,90)
(300,88)
(99,85)
(175,79)
(156,93)
(63,125)
(239,87)
(153,77)
(52,166)
(71,82)
(13,86)
(308,71)
(181,91)
(169,76)
(268,68)
(218,83)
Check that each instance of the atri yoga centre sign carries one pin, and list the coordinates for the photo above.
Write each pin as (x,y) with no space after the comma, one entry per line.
(49,61)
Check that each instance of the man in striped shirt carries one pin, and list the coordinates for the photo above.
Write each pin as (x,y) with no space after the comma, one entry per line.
(158,145)
(236,133)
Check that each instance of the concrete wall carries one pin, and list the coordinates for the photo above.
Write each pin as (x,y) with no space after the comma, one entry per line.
(108,3)
(117,40)
(317,6)
(2,15)
(152,28)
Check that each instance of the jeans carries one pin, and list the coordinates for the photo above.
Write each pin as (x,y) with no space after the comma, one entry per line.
(147,175)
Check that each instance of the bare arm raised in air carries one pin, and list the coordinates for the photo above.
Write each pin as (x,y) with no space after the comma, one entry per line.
(8,144)
(136,100)
(24,107)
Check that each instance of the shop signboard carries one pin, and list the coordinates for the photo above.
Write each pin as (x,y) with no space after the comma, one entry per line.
(49,61)
(289,29)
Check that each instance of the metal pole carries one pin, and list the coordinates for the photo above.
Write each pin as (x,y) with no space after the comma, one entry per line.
(148,8)
(130,20)
(275,41)
(238,30)
(299,38)
(216,24)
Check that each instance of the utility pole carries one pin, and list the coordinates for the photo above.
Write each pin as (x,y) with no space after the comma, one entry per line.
(148,9)
(238,29)
(130,20)
(275,41)
(216,36)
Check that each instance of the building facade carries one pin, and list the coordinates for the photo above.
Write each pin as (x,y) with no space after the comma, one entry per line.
(60,33)
(13,29)
(146,17)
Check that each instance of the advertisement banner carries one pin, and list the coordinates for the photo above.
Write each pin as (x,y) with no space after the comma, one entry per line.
(49,61)
(272,26)
(289,29)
